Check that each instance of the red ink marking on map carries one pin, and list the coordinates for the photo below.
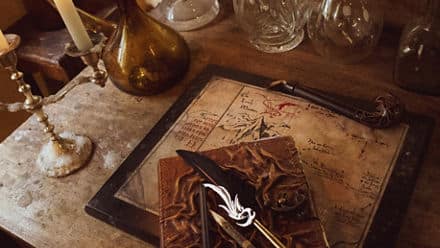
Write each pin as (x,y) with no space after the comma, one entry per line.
(270,109)
(286,104)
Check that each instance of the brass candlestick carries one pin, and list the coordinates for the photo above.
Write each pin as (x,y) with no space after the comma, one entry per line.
(91,57)
(64,153)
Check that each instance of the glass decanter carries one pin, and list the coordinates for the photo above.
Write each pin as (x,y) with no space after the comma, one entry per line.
(273,25)
(346,31)
(144,56)
(418,59)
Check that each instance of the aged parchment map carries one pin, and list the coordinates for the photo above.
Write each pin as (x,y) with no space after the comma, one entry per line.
(347,164)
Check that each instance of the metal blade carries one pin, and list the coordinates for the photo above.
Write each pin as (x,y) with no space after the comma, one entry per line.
(212,172)
(229,229)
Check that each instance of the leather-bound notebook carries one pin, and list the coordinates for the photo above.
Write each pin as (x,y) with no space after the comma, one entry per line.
(272,166)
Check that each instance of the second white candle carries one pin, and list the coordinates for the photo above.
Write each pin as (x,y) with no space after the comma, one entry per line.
(74,24)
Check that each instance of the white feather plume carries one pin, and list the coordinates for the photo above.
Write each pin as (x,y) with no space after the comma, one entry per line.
(244,216)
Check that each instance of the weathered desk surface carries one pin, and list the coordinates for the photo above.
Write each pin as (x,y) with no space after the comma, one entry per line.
(49,212)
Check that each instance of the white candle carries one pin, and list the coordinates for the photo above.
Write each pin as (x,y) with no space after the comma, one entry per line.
(74,24)
(3,42)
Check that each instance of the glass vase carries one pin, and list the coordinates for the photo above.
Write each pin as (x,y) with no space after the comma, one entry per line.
(144,56)
(346,31)
(418,59)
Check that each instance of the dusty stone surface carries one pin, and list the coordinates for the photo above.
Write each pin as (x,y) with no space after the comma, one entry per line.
(49,212)
(25,200)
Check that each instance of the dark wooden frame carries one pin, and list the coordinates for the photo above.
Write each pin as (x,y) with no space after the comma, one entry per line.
(145,225)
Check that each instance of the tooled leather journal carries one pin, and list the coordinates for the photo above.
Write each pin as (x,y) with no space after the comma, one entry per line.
(272,166)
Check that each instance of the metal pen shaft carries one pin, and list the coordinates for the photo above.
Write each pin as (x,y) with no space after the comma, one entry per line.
(269,235)
(204,217)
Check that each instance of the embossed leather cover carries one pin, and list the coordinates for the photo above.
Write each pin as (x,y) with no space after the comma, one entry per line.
(272,166)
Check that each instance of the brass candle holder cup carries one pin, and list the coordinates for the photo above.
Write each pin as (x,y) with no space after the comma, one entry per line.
(91,57)
(64,153)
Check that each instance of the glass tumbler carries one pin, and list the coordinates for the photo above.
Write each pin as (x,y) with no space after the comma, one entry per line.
(273,26)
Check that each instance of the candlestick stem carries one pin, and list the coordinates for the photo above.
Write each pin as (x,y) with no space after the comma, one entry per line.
(34,104)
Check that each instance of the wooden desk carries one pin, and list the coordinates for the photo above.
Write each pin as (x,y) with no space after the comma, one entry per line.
(49,212)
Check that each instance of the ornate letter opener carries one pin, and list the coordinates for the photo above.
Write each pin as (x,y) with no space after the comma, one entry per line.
(244,216)
(64,153)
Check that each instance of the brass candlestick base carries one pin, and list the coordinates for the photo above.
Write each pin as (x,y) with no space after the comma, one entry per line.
(64,153)
(91,58)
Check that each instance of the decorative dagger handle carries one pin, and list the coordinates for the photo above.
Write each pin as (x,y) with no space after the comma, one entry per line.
(388,112)
(268,234)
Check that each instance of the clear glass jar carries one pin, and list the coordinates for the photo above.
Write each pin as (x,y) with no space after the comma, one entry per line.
(346,31)
(273,25)
(418,59)
(185,15)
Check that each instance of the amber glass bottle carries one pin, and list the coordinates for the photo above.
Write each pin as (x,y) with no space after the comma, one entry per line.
(144,57)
